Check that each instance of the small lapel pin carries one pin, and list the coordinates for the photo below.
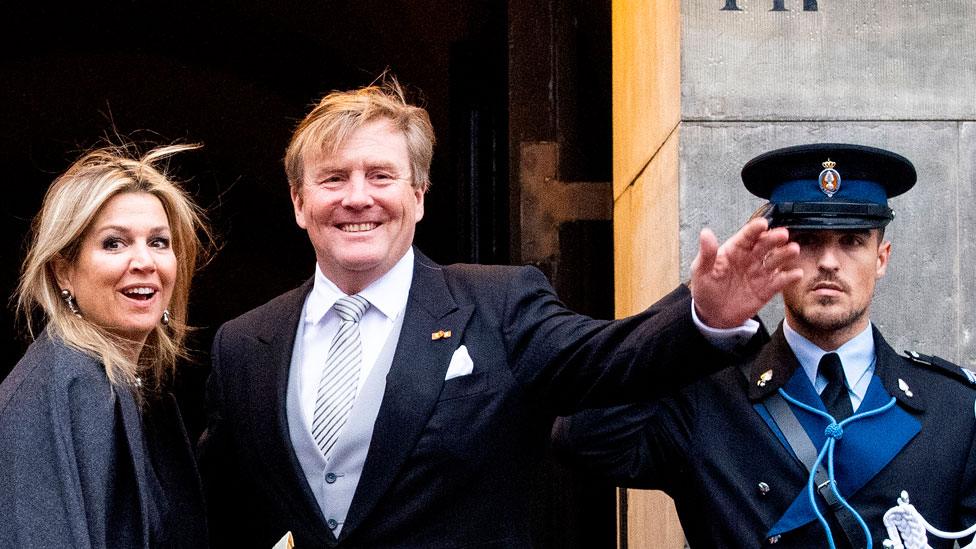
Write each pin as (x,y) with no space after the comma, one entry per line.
(904,388)
(765,378)
(440,334)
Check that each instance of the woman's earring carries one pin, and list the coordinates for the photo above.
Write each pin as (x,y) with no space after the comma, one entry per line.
(165,317)
(69,300)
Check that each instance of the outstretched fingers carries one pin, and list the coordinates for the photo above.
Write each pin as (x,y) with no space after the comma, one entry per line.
(772,240)
(731,283)
(746,238)
(707,252)
(777,269)
(747,247)
(784,278)
(780,257)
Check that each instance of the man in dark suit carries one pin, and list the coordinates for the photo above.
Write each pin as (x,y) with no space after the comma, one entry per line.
(737,449)
(394,402)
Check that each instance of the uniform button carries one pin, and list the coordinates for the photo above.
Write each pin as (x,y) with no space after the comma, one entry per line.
(330,477)
(333,524)
(763,488)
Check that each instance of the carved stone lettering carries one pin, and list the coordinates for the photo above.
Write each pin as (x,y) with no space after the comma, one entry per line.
(778,5)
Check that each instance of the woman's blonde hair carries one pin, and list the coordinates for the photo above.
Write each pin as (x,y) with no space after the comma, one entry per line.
(339,114)
(70,206)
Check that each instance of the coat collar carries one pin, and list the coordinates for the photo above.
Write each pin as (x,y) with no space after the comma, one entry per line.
(772,367)
(898,376)
(775,365)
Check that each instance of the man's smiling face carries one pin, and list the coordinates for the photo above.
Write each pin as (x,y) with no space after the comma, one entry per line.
(359,205)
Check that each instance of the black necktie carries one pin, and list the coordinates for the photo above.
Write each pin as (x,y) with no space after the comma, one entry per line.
(835,395)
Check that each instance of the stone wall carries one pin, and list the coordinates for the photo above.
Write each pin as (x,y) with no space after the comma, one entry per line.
(896,75)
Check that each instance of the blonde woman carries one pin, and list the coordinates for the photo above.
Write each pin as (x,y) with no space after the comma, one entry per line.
(92,449)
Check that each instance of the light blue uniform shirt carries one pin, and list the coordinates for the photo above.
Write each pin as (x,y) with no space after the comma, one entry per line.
(857,356)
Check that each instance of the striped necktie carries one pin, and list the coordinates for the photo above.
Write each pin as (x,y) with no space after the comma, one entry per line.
(340,378)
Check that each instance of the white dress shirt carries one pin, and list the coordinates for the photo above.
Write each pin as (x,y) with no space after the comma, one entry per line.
(857,357)
(725,339)
(387,298)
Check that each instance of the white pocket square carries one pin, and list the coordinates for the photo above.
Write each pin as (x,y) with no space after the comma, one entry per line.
(461,364)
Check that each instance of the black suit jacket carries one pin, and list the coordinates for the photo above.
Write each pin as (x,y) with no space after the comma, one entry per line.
(449,462)
(709,447)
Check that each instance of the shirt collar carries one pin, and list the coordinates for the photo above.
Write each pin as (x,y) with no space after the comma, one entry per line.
(388,294)
(857,355)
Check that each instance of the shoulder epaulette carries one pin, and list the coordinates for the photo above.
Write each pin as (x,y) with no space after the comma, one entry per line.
(943,365)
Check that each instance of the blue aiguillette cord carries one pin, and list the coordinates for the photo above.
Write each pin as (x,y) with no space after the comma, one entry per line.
(833,432)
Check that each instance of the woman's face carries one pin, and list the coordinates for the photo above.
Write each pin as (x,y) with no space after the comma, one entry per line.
(124,275)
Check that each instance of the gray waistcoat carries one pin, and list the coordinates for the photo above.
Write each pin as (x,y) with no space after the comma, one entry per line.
(334,483)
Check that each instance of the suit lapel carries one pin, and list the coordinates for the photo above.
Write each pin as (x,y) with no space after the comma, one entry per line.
(132,425)
(776,367)
(772,369)
(897,376)
(267,382)
(412,385)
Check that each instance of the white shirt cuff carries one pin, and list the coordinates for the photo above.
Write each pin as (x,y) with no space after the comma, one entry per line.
(725,339)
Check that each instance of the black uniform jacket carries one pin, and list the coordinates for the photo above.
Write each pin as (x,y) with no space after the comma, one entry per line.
(714,448)
(450,462)
(83,465)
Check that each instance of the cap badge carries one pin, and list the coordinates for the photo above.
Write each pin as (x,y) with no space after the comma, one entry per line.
(829,178)
(765,378)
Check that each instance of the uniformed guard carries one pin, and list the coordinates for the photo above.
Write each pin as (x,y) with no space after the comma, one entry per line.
(806,440)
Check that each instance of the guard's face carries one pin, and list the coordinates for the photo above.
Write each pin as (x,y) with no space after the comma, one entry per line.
(840,269)
(359,207)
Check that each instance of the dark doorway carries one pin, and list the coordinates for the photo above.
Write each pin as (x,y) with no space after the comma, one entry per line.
(236,76)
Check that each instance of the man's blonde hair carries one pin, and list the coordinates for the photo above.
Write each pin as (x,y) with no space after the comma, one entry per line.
(70,206)
(339,114)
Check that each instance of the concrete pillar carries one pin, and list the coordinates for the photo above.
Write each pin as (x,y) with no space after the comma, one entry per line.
(646,123)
